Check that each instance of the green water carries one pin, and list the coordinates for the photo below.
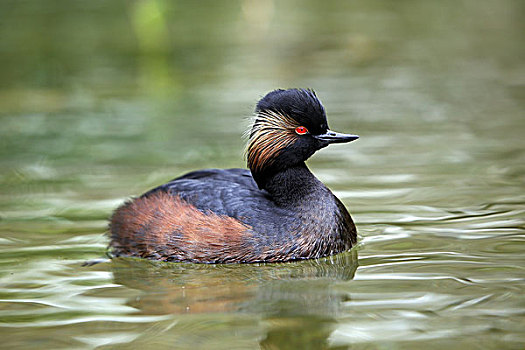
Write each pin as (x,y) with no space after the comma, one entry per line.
(101,100)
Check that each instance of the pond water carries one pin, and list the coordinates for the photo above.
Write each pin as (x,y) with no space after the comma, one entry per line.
(102,100)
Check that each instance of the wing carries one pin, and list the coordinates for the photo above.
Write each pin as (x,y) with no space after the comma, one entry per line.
(231,192)
(235,175)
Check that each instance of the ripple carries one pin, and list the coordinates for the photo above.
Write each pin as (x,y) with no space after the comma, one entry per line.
(87,319)
(376,193)
(395,330)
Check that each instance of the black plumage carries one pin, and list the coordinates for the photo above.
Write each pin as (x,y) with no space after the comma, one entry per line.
(276,211)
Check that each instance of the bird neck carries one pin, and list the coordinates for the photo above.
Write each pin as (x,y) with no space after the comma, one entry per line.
(291,185)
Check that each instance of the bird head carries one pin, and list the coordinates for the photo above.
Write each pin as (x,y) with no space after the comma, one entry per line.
(289,126)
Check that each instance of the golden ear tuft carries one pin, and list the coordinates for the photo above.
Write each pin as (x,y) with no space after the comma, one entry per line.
(270,133)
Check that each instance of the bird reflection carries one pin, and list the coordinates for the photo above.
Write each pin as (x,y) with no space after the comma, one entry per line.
(175,288)
(296,300)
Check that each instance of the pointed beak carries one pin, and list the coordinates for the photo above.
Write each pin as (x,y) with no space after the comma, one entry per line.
(335,137)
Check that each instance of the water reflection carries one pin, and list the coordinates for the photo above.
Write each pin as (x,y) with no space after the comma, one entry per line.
(273,299)
(175,288)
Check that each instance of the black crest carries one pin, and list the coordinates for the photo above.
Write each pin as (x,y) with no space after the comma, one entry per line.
(299,104)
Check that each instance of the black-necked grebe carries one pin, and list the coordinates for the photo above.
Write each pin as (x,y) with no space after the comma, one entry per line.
(276,211)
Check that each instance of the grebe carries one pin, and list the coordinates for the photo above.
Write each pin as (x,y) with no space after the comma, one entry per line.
(275,211)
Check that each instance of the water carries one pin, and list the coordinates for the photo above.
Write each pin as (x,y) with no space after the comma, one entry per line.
(103,100)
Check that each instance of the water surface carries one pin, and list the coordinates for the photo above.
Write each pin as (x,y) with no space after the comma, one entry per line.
(103,100)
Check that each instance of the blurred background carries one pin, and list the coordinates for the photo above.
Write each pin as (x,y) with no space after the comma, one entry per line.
(103,100)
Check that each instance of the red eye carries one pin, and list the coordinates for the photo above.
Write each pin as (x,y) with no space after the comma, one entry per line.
(301,130)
